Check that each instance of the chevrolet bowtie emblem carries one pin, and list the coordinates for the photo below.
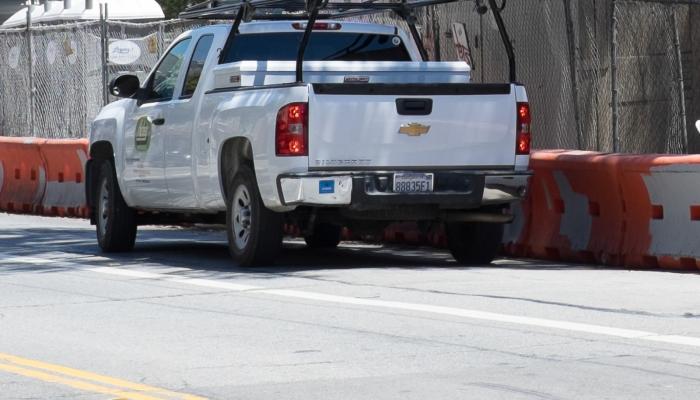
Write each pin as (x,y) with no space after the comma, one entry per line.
(414,129)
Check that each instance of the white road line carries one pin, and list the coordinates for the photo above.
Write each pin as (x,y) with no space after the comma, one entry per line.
(209,283)
(396,305)
(496,317)
(424,308)
(11,259)
(126,272)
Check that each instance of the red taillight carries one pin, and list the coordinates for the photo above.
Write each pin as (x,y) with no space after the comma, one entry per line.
(291,134)
(318,26)
(523,136)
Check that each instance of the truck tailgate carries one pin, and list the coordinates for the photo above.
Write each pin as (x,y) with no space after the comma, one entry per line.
(411,126)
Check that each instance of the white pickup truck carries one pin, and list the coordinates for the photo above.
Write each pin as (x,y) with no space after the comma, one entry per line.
(224,132)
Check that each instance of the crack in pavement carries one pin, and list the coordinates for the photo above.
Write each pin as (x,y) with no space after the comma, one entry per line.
(514,389)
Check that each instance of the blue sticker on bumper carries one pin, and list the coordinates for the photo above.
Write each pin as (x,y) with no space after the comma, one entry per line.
(326,187)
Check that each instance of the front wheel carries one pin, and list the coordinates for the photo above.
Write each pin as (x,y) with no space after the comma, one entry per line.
(474,243)
(115,220)
(254,231)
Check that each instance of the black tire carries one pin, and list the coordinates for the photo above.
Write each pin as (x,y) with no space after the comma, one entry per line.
(115,220)
(324,236)
(474,243)
(258,229)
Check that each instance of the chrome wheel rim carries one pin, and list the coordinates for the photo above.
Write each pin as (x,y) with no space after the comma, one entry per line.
(241,217)
(103,208)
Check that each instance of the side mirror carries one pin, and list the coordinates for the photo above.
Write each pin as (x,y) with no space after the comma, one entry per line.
(124,86)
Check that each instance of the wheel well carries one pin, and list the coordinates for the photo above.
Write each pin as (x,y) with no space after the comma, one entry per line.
(102,151)
(99,152)
(235,152)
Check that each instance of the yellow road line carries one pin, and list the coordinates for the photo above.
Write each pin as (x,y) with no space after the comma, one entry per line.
(90,376)
(73,383)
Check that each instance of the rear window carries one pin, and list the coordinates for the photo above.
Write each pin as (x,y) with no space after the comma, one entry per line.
(323,46)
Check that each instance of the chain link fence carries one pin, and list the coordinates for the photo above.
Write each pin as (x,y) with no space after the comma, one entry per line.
(69,66)
(650,85)
(605,75)
(15,105)
(66,77)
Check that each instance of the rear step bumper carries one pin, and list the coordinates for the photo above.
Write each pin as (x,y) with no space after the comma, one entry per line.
(453,190)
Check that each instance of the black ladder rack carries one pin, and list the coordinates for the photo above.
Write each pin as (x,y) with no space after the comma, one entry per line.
(294,9)
(313,10)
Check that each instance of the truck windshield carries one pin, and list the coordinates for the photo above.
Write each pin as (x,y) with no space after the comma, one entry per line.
(323,46)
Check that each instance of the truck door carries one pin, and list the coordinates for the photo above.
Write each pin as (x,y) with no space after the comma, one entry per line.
(179,127)
(145,133)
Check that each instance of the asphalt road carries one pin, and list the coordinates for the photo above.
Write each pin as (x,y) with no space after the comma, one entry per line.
(176,319)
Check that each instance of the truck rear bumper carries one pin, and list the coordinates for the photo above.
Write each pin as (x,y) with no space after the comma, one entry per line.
(453,190)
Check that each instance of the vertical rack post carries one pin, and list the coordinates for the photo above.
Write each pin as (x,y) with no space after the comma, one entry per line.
(681,81)
(613,79)
(436,33)
(105,51)
(314,7)
(30,59)
(482,42)
(160,39)
(571,40)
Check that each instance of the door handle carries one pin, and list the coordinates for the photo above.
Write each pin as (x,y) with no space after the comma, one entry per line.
(158,121)
(414,106)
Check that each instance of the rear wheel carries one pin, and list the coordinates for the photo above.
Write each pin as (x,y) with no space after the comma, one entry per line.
(254,231)
(474,243)
(324,236)
(115,220)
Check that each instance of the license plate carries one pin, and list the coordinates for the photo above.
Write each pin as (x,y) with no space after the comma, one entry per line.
(413,183)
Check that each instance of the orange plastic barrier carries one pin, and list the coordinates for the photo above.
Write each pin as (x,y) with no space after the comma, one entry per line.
(576,211)
(65,169)
(662,197)
(22,175)
(612,209)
